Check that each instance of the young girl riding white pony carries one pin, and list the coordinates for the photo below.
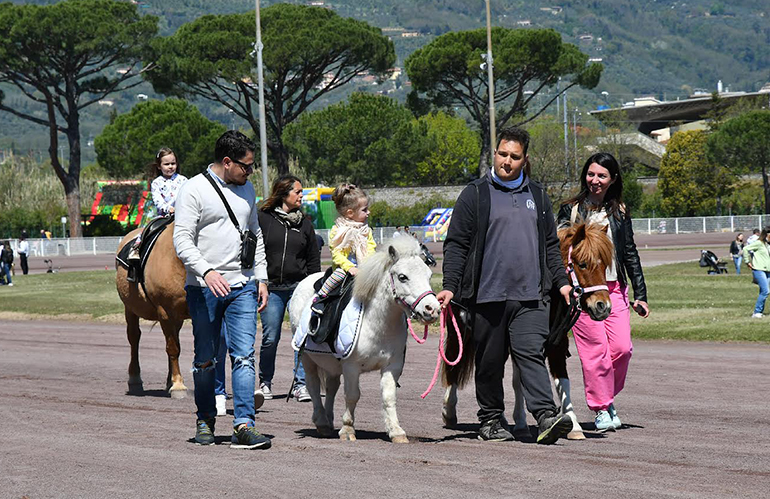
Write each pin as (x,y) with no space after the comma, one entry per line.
(391,285)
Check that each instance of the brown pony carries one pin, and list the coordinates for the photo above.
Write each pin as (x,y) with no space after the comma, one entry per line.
(587,250)
(161,298)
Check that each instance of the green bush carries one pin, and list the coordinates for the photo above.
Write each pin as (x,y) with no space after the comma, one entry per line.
(383,215)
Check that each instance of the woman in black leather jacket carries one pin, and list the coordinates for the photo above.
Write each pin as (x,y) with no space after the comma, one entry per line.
(605,346)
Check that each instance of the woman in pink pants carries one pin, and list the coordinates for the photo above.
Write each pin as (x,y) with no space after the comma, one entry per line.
(605,346)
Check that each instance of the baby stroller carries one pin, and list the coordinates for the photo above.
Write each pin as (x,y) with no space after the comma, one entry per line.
(710,260)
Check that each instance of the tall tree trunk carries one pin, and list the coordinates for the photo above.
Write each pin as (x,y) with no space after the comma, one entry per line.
(484,164)
(72,187)
(766,186)
(281,153)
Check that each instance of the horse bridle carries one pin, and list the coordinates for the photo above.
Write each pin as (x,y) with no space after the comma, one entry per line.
(574,308)
(403,302)
(577,289)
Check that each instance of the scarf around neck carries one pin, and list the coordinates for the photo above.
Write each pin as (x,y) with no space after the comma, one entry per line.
(508,184)
(353,236)
(293,218)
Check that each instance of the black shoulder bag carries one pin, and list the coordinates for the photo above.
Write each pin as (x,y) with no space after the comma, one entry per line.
(248,239)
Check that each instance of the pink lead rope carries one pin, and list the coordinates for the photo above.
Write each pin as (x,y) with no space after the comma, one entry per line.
(441,355)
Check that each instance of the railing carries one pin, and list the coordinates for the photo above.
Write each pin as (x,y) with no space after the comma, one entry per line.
(735,223)
(690,225)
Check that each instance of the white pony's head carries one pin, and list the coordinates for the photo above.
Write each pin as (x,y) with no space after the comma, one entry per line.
(398,265)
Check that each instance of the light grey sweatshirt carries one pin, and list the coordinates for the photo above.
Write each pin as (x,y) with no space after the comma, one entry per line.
(205,237)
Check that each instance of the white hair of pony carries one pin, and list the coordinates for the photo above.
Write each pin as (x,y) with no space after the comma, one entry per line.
(373,270)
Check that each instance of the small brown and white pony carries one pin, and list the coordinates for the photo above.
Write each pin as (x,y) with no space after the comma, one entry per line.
(586,252)
(162,298)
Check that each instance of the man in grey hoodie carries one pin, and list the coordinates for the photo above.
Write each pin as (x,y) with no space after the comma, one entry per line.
(219,288)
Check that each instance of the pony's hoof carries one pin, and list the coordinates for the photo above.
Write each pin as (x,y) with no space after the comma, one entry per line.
(576,435)
(399,439)
(349,435)
(449,421)
(325,431)
(520,434)
(178,393)
(135,389)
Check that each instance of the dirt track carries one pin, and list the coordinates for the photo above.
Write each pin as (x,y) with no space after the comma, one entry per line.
(697,427)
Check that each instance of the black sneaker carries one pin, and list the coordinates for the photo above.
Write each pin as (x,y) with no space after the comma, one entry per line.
(494,431)
(204,431)
(247,437)
(553,428)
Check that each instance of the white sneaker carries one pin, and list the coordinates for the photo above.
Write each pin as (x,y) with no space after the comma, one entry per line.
(259,399)
(614,415)
(265,389)
(603,422)
(301,394)
(10,284)
(221,406)
(757,316)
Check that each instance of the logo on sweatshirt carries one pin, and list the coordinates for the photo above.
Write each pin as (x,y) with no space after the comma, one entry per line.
(531,204)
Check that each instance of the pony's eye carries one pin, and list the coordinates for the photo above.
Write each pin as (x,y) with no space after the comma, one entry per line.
(403,277)
(582,266)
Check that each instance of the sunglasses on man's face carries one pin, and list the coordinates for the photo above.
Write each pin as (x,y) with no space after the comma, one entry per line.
(246,166)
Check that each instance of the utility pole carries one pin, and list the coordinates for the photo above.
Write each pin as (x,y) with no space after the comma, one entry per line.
(574,135)
(566,135)
(262,127)
(491,85)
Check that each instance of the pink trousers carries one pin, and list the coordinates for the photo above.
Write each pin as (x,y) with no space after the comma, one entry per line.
(604,348)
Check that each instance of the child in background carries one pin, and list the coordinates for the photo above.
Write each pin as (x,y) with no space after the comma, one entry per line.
(164,188)
(350,242)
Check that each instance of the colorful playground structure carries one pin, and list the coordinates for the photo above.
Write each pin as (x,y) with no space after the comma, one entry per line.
(127,201)
(436,223)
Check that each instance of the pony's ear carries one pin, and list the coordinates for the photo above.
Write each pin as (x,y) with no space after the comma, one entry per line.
(393,253)
(580,234)
(605,228)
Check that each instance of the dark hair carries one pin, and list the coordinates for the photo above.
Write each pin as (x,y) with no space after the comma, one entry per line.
(153,169)
(755,231)
(763,235)
(282,186)
(234,145)
(347,196)
(514,134)
(613,200)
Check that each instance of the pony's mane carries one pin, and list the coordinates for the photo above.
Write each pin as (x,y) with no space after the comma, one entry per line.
(372,271)
(595,244)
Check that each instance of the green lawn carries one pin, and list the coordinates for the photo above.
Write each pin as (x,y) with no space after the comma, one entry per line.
(685,302)
(89,294)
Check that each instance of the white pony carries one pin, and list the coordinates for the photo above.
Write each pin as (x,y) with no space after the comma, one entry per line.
(390,283)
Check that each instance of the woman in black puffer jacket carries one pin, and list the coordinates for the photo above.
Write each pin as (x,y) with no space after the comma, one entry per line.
(292,253)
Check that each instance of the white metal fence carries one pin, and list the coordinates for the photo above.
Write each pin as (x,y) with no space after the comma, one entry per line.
(735,223)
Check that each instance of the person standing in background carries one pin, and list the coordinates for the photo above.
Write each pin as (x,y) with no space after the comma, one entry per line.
(23,251)
(736,251)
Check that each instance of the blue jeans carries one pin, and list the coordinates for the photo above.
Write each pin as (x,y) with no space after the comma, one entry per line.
(761,276)
(272,319)
(737,260)
(5,271)
(238,310)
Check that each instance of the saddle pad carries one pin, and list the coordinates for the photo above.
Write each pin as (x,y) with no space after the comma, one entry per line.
(350,325)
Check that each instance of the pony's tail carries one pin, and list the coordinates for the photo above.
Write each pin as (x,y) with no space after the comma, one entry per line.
(461,373)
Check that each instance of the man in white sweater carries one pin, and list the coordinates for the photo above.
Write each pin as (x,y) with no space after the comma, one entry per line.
(219,289)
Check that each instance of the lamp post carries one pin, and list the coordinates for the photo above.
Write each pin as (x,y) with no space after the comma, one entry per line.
(262,128)
(575,115)
(491,85)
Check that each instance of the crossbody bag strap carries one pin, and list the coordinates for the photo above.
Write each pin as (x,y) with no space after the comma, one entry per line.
(222,196)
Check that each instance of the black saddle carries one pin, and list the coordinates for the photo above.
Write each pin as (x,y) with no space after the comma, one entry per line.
(334,304)
(150,235)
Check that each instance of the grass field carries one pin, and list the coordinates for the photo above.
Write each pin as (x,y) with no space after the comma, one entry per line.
(685,302)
